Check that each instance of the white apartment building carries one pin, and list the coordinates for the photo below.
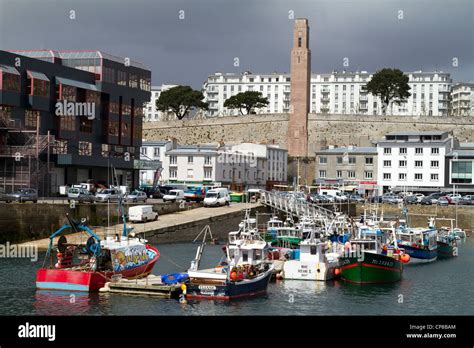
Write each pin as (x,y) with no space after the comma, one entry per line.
(150,111)
(152,151)
(462,99)
(239,166)
(412,161)
(335,93)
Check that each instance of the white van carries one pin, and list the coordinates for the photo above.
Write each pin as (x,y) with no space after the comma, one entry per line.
(142,213)
(217,196)
(174,196)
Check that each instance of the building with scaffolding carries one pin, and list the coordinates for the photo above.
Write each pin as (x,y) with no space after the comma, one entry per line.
(45,146)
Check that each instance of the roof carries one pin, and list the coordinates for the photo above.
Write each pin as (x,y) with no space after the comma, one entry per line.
(469,153)
(418,133)
(155,142)
(75,54)
(37,75)
(9,69)
(193,150)
(355,150)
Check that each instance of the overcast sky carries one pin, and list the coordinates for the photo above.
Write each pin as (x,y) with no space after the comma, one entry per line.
(411,35)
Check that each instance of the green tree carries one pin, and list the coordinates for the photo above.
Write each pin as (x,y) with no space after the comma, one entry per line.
(180,100)
(246,100)
(391,85)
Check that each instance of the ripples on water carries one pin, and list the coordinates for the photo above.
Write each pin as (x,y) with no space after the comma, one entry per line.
(440,288)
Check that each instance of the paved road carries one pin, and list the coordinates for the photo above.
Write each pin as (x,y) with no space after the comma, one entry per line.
(167,220)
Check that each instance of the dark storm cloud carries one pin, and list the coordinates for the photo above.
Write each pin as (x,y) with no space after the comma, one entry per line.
(258,32)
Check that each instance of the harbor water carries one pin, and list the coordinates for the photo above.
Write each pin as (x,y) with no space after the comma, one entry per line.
(444,287)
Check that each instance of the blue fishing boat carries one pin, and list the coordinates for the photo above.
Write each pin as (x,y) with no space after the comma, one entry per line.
(420,243)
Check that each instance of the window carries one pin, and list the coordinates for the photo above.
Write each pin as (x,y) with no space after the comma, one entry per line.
(106,150)
(67,123)
(108,75)
(339,174)
(60,147)
(223,174)
(339,160)
(40,88)
(352,160)
(434,164)
(126,130)
(419,151)
(68,93)
(85,125)
(113,128)
(387,164)
(11,82)
(351,174)
(122,78)
(418,176)
(190,173)
(207,173)
(114,108)
(190,159)
(418,164)
(257,254)
(323,160)
(368,175)
(387,151)
(402,163)
(387,176)
(173,159)
(126,109)
(245,256)
(461,172)
(85,148)
(31,118)
(173,173)
(313,249)
(208,160)
(402,176)
(435,150)
(322,173)
(369,160)
(156,152)
(403,151)
(434,177)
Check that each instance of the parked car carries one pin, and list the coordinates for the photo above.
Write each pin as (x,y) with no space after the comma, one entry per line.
(432,198)
(23,195)
(217,196)
(136,196)
(391,198)
(80,194)
(411,199)
(467,200)
(153,192)
(453,198)
(319,199)
(356,198)
(108,195)
(443,200)
(194,194)
(330,199)
(375,199)
(419,196)
(142,213)
(174,196)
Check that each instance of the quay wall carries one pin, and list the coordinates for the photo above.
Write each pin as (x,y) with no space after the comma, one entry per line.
(418,214)
(25,222)
(323,129)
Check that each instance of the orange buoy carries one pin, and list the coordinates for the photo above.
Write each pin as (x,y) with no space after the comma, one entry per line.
(385,248)
(405,258)
(337,271)
(233,276)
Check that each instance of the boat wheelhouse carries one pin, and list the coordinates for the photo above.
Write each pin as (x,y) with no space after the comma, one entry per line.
(419,243)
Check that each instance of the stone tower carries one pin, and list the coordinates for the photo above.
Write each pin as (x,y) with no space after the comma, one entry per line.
(300,89)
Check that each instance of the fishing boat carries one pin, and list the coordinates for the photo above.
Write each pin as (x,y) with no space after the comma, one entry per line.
(447,241)
(87,267)
(272,227)
(419,243)
(364,261)
(243,272)
(316,261)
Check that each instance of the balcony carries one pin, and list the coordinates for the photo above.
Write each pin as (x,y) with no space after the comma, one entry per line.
(325,91)
(325,99)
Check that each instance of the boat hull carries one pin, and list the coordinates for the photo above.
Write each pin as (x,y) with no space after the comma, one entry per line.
(89,281)
(370,269)
(302,270)
(420,254)
(229,290)
(446,250)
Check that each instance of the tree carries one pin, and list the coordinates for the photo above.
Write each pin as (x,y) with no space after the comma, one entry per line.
(180,100)
(391,85)
(246,100)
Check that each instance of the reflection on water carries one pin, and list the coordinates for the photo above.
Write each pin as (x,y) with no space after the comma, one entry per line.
(443,287)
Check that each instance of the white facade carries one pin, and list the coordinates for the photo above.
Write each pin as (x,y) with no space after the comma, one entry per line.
(150,111)
(412,159)
(462,99)
(335,93)
(152,151)
(243,165)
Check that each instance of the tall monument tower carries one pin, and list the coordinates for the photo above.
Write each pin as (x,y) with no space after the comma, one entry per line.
(300,89)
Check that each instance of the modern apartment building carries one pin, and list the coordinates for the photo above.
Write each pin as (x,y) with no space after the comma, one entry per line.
(462,99)
(334,93)
(460,168)
(354,168)
(68,116)
(150,111)
(413,161)
(239,166)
